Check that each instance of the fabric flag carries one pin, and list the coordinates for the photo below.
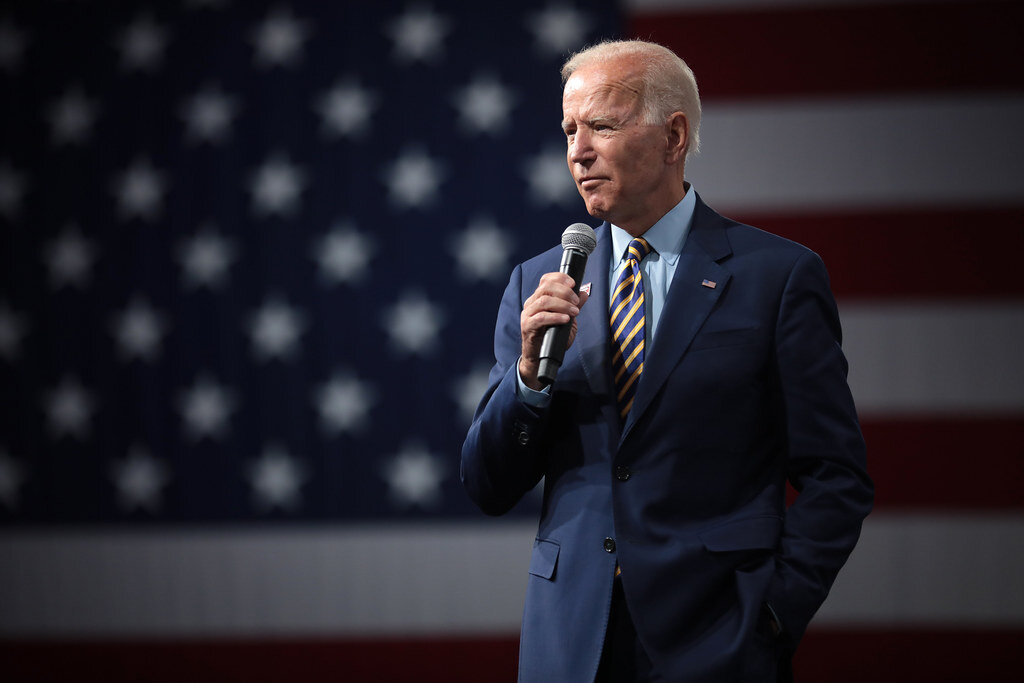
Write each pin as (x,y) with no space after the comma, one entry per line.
(252,257)
(886,137)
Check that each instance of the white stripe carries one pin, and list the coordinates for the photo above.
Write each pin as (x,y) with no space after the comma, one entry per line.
(864,152)
(935,358)
(932,569)
(338,580)
(448,579)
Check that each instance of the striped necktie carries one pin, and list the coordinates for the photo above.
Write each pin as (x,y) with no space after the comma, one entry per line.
(627,321)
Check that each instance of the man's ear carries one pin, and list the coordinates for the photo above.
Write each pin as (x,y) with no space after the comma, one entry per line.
(678,137)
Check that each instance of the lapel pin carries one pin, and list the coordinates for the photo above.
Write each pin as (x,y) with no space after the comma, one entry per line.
(710,284)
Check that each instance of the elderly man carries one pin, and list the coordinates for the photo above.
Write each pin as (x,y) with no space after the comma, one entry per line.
(705,374)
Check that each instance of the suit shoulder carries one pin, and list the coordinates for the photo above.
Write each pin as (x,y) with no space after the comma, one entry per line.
(742,235)
(721,236)
(774,252)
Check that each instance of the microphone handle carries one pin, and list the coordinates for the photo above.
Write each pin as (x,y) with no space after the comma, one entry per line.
(556,337)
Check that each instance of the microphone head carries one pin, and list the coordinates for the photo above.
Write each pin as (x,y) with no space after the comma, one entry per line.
(579,236)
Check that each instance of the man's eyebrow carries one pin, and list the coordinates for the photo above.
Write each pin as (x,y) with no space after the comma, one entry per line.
(593,121)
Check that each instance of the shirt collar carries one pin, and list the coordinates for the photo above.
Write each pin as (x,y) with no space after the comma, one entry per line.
(666,237)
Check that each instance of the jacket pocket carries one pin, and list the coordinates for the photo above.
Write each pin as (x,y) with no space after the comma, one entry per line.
(544,559)
(751,533)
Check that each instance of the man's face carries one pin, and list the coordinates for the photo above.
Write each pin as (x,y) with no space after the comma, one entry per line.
(619,163)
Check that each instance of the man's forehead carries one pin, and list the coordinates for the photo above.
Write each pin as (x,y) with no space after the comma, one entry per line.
(599,96)
(617,69)
(611,79)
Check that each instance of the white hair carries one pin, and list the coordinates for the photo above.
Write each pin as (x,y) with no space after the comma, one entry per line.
(667,84)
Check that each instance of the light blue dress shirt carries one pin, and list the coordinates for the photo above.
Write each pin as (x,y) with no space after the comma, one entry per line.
(666,238)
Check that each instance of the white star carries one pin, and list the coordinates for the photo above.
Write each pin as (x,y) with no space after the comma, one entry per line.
(549,179)
(69,258)
(413,180)
(72,118)
(139,329)
(276,478)
(346,109)
(418,35)
(205,258)
(482,251)
(70,407)
(413,324)
(139,479)
(13,42)
(414,477)
(12,476)
(343,254)
(279,39)
(275,330)
(142,45)
(12,188)
(343,403)
(208,115)
(12,329)
(276,187)
(558,29)
(140,190)
(484,106)
(469,389)
(205,408)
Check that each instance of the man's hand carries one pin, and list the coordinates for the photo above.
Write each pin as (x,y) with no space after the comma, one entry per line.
(553,303)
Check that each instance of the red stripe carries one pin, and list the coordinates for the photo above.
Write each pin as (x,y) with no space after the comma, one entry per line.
(948,253)
(919,464)
(898,656)
(837,656)
(947,463)
(394,660)
(828,50)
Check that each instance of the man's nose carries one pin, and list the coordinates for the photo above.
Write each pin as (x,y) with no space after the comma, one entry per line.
(580,148)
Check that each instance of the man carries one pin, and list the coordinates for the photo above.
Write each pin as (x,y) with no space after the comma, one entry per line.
(705,373)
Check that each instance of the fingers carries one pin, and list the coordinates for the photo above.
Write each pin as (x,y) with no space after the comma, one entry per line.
(553,303)
(557,287)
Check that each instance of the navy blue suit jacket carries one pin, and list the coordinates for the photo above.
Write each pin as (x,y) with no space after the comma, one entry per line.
(745,388)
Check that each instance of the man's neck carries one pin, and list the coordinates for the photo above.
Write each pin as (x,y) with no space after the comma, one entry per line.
(638,228)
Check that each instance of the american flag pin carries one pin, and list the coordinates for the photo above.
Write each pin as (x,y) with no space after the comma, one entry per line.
(585,289)
(711,284)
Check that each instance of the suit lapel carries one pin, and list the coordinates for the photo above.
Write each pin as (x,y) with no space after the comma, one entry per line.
(689,302)
(592,334)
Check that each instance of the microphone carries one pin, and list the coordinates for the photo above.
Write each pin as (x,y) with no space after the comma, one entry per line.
(578,241)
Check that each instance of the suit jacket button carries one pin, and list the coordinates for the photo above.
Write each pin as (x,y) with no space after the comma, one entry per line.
(622,473)
(521,433)
(609,545)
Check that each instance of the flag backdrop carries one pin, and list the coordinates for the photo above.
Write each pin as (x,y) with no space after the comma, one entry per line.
(234,390)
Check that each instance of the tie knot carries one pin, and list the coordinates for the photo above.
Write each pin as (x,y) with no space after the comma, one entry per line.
(638,249)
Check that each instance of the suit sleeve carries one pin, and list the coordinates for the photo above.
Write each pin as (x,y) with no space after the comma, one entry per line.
(501,457)
(826,461)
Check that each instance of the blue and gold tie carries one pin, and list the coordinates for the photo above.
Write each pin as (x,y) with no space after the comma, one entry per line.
(627,321)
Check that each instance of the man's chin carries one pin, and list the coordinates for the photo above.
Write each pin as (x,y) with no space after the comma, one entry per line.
(597,211)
